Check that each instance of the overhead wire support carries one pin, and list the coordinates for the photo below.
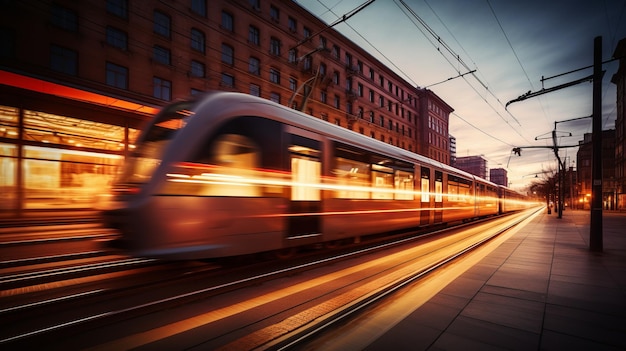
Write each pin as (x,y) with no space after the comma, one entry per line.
(451,78)
(530,94)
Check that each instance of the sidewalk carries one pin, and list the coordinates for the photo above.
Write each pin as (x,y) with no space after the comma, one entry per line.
(540,290)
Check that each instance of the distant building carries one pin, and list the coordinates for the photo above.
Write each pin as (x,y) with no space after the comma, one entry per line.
(476,165)
(619,79)
(499,176)
(452,150)
(584,162)
(432,129)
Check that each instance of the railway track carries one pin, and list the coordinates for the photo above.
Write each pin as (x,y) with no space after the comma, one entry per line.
(263,305)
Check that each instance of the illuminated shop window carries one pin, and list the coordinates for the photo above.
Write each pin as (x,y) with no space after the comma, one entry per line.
(8,122)
(61,130)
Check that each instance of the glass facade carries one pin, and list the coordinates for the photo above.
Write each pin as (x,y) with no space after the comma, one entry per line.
(59,162)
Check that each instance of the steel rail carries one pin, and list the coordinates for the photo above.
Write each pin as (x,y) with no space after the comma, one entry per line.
(305,333)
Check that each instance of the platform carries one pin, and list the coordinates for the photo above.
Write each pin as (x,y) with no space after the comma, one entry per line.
(543,289)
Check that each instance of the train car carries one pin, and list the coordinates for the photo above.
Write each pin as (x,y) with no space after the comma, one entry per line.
(230,174)
(511,200)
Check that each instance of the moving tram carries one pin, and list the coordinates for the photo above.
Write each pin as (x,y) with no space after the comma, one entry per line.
(230,174)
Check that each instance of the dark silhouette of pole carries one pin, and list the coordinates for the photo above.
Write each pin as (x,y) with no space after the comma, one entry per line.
(595,235)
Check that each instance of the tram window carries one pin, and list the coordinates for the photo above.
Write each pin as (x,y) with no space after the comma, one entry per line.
(458,189)
(353,179)
(438,186)
(240,159)
(404,185)
(382,182)
(425,184)
(306,169)
(453,191)
(352,172)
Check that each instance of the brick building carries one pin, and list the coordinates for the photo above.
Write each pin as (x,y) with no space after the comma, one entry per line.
(79,78)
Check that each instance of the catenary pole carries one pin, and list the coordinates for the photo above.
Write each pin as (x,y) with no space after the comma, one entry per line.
(595,235)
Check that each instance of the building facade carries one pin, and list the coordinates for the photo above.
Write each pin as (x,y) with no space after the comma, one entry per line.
(499,176)
(78,79)
(433,137)
(619,79)
(476,165)
(584,161)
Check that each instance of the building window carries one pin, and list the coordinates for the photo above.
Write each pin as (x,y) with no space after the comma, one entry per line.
(306,32)
(336,52)
(162,89)
(199,7)
(308,63)
(323,42)
(371,95)
(161,55)
(195,92)
(382,121)
(64,18)
(116,76)
(228,54)
(274,76)
(162,24)
(275,46)
(348,60)
(371,74)
(197,69)
(336,78)
(323,96)
(227,21)
(197,40)
(337,101)
(117,38)
(359,66)
(322,69)
(293,83)
(7,43)
(118,8)
(254,35)
(255,90)
(228,80)
(254,66)
(293,56)
(371,119)
(381,101)
(63,60)
(293,25)
(274,13)
(360,89)
(275,97)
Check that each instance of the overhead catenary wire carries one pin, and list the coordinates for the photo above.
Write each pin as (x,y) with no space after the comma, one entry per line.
(440,44)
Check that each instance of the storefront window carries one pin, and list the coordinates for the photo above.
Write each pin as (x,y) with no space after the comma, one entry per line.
(8,190)
(48,128)
(65,162)
(56,178)
(8,122)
